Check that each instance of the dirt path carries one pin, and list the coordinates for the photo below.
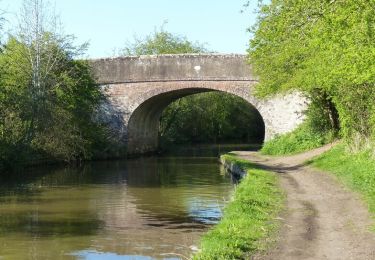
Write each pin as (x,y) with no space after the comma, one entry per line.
(323,220)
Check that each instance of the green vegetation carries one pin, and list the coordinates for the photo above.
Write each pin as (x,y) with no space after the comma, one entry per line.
(300,140)
(47,98)
(248,224)
(355,170)
(202,118)
(211,118)
(325,49)
(161,42)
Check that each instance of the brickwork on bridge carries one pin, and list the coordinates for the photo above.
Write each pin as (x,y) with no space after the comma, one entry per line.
(140,88)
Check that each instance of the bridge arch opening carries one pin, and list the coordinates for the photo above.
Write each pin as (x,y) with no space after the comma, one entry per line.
(143,126)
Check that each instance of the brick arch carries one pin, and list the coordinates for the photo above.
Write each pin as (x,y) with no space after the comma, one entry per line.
(143,123)
(133,83)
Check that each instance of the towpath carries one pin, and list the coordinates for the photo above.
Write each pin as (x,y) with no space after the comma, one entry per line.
(323,219)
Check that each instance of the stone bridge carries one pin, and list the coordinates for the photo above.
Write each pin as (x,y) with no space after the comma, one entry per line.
(140,88)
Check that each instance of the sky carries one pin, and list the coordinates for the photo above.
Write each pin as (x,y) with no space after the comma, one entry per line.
(108,25)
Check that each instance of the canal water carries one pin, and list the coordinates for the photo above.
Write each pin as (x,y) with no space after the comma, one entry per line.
(146,208)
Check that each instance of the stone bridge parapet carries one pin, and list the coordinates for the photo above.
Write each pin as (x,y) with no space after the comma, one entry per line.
(173,67)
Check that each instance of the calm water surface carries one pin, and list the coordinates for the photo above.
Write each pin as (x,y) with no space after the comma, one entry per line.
(148,208)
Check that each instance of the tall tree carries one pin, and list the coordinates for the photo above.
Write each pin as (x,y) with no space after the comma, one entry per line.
(46,50)
(324,49)
(162,42)
(47,97)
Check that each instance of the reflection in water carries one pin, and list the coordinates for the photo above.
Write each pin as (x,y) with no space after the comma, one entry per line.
(146,208)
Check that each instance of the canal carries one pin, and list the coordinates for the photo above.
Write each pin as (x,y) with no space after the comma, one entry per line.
(145,208)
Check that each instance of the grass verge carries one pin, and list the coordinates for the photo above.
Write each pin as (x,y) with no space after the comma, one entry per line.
(248,224)
(357,171)
(300,140)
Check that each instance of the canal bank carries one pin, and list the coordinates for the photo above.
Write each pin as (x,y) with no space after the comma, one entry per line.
(249,223)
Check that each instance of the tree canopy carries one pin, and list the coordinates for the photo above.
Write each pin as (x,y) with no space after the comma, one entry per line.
(326,50)
(162,42)
(47,98)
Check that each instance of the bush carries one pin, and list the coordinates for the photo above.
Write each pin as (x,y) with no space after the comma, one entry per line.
(300,140)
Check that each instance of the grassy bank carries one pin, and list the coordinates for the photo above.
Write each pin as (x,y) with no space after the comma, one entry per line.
(356,171)
(248,224)
(300,140)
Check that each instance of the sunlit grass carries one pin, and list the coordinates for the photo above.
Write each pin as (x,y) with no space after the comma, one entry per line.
(249,221)
(300,140)
(356,170)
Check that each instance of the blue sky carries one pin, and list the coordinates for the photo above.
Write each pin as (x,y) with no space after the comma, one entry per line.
(109,24)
